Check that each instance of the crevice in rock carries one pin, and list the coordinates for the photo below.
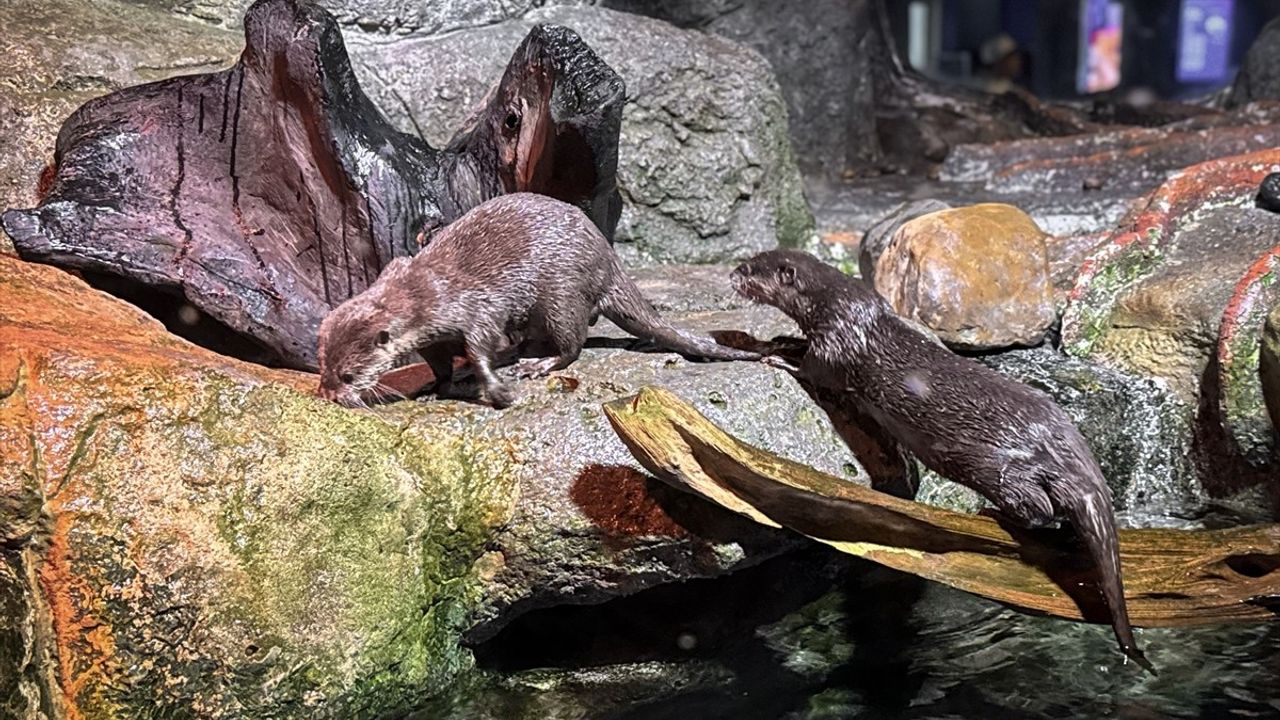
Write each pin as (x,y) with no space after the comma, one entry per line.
(185,320)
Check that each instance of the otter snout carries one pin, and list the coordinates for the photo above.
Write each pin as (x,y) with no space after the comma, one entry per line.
(342,393)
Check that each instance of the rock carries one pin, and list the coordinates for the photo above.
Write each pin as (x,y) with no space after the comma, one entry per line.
(825,75)
(1269,366)
(397,17)
(1137,427)
(977,276)
(1140,245)
(1241,401)
(61,53)
(201,528)
(1165,324)
(1127,161)
(210,530)
(199,187)
(1178,292)
(1259,74)
(705,166)
(877,239)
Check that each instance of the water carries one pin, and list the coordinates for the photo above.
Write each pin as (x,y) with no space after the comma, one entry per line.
(818,636)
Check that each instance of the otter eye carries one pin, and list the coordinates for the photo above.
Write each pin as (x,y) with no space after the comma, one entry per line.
(384,337)
(512,121)
(787,275)
(347,378)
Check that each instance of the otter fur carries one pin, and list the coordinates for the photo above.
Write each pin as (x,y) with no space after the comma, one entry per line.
(519,274)
(965,421)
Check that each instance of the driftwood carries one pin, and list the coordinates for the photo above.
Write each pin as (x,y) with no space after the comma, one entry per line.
(1172,577)
(268,193)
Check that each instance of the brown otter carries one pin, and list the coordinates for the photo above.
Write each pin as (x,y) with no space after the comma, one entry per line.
(1008,441)
(521,272)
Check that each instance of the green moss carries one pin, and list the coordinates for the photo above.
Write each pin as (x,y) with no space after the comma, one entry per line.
(339,546)
(1093,311)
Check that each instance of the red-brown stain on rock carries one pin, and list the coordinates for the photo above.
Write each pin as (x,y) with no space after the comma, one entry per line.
(618,500)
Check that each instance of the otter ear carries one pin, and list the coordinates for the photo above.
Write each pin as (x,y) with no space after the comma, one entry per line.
(384,337)
(787,275)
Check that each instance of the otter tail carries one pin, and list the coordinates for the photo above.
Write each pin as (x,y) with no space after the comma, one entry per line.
(629,310)
(1092,516)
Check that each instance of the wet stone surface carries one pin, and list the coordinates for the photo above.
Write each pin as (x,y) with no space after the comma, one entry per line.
(1166,324)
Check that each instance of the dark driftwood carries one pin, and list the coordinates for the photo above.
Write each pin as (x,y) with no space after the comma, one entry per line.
(268,193)
(1172,577)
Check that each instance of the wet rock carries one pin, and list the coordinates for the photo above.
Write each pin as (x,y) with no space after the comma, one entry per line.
(202,528)
(211,531)
(1140,245)
(977,276)
(27,678)
(1269,366)
(1166,323)
(877,239)
(397,17)
(61,53)
(702,178)
(825,76)
(1177,292)
(1259,74)
(1240,393)
(1130,161)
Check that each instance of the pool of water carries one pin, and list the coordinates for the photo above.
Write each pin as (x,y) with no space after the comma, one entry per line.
(816,635)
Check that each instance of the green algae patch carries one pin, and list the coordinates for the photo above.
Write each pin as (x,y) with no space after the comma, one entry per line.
(1088,319)
(304,560)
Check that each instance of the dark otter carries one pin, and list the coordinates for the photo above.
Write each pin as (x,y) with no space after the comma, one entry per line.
(520,272)
(1008,441)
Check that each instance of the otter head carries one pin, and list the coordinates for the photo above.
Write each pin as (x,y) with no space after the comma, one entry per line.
(785,279)
(365,337)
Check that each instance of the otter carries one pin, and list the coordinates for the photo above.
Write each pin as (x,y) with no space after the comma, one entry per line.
(519,274)
(965,421)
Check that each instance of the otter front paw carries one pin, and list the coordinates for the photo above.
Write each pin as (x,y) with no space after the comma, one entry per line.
(535,367)
(500,396)
(780,362)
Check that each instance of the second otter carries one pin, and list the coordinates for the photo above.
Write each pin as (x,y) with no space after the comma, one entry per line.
(520,271)
(972,425)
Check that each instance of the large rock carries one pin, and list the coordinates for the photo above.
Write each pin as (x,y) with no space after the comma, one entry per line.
(819,51)
(1179,291)
(1259,74)
(977,276)
(384,16)
(705,165)
(1269,366)
(876,240)
(210,540)
(1166,323)
(61,53)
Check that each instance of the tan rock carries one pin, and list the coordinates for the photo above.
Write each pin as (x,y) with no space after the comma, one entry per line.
(978,276)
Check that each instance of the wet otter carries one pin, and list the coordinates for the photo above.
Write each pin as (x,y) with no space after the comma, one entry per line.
(520,272)
(1008,441)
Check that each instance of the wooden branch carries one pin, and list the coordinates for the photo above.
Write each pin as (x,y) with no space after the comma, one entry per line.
(1172,577)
